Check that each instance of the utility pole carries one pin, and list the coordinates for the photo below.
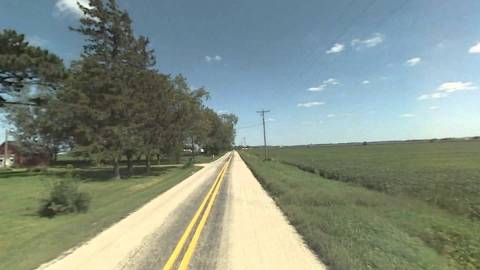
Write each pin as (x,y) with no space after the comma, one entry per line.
(262,112)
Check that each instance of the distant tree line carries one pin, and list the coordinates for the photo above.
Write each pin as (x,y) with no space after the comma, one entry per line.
(109,104)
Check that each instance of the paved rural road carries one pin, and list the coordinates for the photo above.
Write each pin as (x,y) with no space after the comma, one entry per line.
(244,229)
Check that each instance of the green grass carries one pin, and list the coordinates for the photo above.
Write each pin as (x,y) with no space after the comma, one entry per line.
(444,174)
(27,240)
(351,227)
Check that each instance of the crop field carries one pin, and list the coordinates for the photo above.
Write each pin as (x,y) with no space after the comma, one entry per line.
(444,174)
(353,227)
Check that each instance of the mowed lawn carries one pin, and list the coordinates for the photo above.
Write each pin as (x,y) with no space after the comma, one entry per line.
(444,174)
(353,227)
(27,240)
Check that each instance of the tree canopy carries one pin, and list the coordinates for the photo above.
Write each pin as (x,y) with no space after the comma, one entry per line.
(23,64)
(111,103)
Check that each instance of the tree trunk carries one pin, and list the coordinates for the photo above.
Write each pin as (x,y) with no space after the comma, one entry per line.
(193,149)
(147,164)
(129,164)
(116,168)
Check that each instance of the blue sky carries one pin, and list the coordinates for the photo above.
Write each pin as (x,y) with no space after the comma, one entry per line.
(329,71)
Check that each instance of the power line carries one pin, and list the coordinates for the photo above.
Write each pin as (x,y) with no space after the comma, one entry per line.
(336,39)
(302,72)
(262,112)
(249,126)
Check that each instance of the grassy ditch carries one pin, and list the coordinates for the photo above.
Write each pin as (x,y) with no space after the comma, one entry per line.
(351,227)
(27,240)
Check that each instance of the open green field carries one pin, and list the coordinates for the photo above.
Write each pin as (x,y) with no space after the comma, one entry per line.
(444,174)
(352,227)
(27,240)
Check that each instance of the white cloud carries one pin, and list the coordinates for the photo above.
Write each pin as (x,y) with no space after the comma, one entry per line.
(331,115)
(310,104)
(448,88)
(324,84)
(216,58)
(331,81)
(438,95)
(433,107)
(407,115)
(271,120)
(70,7)
(366,82)
(370,42)
(475,48)
(423,97)
(338,47)
(413,62)
(321,87)
(38,41)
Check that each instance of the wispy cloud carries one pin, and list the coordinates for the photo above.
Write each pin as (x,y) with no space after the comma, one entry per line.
(407,115)
(448,88)
(366,82)
(475,48)
(310,104)
(38,41)
(70,7)
(271,120)
(433,107)
(413,62)
(324,85)
(215,58)
(331,115)
(370,42)
(337,48)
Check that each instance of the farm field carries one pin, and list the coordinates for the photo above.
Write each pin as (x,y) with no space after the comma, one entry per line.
(352,227)
(27,240)
(444,174)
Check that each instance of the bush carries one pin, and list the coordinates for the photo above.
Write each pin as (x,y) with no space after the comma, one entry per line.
(190,162)
(38,169)
(64,198)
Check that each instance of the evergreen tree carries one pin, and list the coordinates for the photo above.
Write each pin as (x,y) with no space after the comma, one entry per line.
(22,64)
(100,89)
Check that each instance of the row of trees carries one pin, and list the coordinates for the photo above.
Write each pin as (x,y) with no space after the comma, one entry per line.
(111,103)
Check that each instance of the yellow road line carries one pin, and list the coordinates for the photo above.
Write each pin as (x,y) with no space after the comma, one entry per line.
(193,244)
(178,248)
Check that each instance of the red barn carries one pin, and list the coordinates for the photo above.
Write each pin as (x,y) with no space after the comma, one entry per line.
(18,157)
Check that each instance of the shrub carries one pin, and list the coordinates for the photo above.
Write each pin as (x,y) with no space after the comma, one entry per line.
(64,198)
(190,162)
(38,169)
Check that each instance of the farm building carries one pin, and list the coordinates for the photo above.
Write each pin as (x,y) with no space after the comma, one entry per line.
(15,156)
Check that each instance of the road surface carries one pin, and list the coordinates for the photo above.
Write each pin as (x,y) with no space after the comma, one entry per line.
(226,221)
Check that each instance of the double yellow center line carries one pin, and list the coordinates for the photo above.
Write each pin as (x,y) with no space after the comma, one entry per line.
(203,212)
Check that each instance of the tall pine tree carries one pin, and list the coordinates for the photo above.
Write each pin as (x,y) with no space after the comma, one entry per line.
(99,93)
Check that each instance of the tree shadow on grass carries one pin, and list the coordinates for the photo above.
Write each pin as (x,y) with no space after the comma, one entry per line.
(88,174)
(106,174)
(9,174)
(74,163)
